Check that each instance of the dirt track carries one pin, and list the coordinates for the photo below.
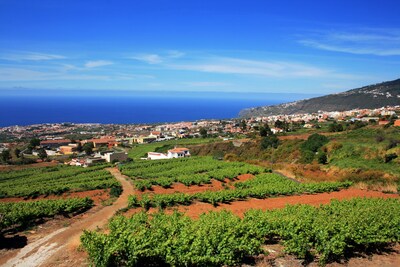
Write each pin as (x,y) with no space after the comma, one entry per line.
(59,247)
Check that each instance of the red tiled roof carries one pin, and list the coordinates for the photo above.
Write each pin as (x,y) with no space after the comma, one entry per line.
(178,149)
(60,141)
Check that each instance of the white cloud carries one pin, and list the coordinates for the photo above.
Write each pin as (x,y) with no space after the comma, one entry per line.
(20,74)
(148,58)
(97,63)
(30,56)
(255,67)
(361,42)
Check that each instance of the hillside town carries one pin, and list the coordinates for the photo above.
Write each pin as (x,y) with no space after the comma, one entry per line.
(90,143)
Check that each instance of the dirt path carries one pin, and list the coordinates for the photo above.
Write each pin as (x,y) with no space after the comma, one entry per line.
(60,247)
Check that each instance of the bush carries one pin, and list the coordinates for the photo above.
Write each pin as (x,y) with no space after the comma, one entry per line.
(390,157)
(322,158)
(270,141)
(307,157)
(115,191)
(314,142)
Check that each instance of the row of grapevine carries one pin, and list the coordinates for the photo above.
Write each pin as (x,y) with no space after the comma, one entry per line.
(189,171)
(54,180)
(21,214)
(221,238)
(262,186)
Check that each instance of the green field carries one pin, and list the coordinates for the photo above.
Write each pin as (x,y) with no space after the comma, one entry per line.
(223,239)
(262,186)
(189,171)
(23,214)
(54,180)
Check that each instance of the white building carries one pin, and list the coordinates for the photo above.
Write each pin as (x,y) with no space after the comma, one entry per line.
(178,152)
(156,155)
(115,156)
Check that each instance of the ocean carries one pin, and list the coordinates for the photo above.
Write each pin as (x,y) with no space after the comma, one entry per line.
(26,110)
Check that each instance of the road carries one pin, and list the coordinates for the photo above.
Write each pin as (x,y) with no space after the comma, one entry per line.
(60,247)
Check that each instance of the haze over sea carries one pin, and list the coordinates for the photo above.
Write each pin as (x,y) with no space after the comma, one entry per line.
(141,107)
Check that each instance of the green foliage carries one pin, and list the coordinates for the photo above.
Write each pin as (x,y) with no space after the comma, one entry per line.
(34,142)
(115,190)
(54,180)
(42,154)
(262,186)
(314,142)
(5,156)
(88,148)
(265,130)
(322,158)
(221,238)
(22,214)
(203,132)
(189,171)
(270,141)
(390,157)
(335,127)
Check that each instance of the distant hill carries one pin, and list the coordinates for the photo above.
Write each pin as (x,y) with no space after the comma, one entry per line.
(371,96)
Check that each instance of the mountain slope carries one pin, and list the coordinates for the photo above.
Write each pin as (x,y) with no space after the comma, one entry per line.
(371,96)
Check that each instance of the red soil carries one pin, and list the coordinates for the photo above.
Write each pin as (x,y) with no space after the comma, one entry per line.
(181,188)
(97,195)
(240,207)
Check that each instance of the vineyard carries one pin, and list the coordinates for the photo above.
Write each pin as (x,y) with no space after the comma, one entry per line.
(262,186)
(22,214)
(54,180)
(222,238)
(188,171)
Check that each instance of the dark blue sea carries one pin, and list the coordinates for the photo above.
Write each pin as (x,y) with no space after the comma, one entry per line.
(34,109)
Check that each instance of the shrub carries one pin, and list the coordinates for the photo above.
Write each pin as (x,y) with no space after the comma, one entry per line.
(314,142)
(390,157)
(270,141)
(322,158)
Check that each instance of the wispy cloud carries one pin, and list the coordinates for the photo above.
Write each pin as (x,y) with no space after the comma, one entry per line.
(20,74)
(30,56)
(260,68)
(153,58)
(148,58)
(362,42)
(97,63)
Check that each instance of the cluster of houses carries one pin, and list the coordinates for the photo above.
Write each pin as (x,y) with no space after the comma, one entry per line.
(99,157)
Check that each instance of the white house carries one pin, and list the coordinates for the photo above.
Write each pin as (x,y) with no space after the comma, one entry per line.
(178,152)
(156,155)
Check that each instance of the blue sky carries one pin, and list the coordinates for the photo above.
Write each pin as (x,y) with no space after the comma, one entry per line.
(310,47)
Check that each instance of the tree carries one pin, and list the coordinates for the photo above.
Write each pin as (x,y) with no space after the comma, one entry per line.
(314,142)
(79,147)
(88,148)
(270,141)
(34,142)
(42,154)
(203,132)
(322,158)
(265,130)
(17,152)
(243,125)
(5,156)
(334,127)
